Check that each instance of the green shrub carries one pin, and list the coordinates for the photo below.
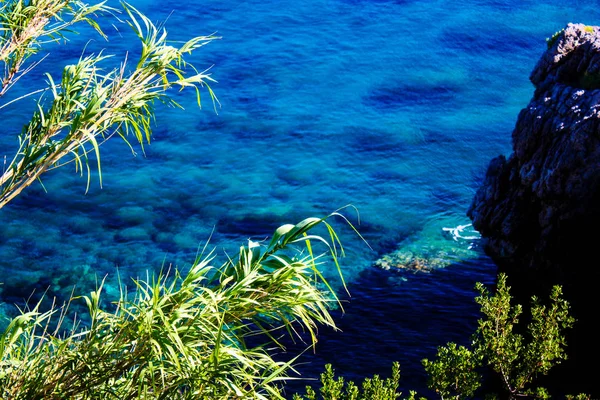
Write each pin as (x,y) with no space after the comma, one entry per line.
(580,396)
(518,359)
(456,371)
(371,389)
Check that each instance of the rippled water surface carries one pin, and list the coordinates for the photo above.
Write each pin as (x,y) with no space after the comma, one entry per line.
(395,107)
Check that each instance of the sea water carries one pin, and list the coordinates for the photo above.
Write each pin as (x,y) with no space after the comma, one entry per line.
(393,106)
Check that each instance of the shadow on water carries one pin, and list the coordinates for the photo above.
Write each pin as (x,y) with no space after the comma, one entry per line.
(488,40)
(423,94)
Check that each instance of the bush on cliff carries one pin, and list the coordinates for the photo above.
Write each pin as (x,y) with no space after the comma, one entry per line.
(518,359)
(457,370)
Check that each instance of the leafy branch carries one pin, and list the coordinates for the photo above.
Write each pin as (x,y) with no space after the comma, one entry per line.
(26,25)
(517,358)
(89,105)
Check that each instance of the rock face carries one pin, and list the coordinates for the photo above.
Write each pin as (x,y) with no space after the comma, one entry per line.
(540,208)
(550,185)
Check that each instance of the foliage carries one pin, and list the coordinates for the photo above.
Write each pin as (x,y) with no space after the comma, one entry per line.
(209,333)
(580,396)
(88,105)
(518,359)
(456,371)
(554,38)
(453,374)
(507,352)
(180,336)
(371,389)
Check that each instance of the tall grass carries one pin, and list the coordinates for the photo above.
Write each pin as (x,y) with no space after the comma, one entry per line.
(180,335)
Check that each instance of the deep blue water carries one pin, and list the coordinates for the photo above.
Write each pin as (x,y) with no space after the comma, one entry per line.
(394,106)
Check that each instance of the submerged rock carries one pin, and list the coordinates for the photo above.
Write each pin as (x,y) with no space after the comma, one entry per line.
(540,207)
(406,260)
(431,249)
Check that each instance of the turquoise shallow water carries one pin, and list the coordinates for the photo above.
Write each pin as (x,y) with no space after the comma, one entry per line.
(395,107)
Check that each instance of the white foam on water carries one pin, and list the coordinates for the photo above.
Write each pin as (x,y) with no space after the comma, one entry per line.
(458,232)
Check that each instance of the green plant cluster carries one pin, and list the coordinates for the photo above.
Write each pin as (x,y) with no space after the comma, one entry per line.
(456,373)
(371,389)
(89,105)
(517,358)
(183,337)
(552,39)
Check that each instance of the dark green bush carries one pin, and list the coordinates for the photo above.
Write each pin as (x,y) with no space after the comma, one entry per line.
(457,370)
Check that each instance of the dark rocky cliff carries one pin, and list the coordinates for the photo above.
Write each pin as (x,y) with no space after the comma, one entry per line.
(540,208)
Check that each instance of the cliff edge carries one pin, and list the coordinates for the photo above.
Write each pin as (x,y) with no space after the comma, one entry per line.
(540,208)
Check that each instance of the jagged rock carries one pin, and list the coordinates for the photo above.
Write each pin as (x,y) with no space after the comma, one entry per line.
(540,208)
(532,200)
